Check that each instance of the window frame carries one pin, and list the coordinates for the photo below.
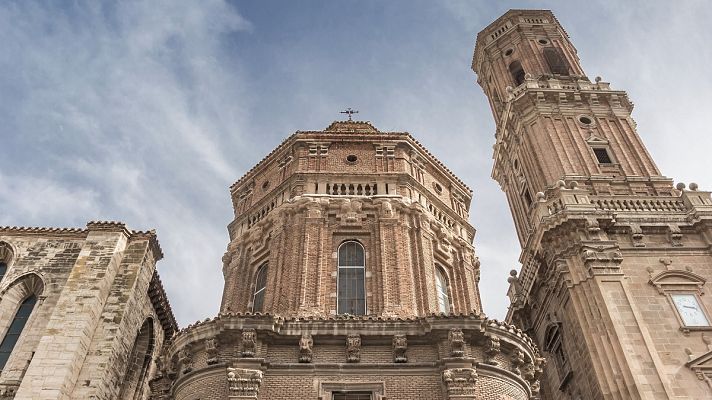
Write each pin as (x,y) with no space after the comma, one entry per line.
(27,318)
(255,291)
(554,345)
(445,284)
(609,154)
(3,270)
(680,319)
(338,275)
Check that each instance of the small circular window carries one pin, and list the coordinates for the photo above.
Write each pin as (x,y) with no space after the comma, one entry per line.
(543,41)
(586,120)
(508,52)
(438,188)
(351,158)
(265,185)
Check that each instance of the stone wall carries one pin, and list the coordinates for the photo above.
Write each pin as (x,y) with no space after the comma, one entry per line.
(93,290)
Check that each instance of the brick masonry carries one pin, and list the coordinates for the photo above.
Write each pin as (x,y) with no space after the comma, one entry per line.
(605,242)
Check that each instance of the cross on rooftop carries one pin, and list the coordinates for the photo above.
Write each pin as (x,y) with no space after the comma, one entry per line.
(350,112)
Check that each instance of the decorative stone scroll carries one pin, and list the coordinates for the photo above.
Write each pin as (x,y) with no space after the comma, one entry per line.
(491,350)
(456,339)
(400,345)
(248,344)
(602,260)
(211,350)
(531,373)
(353,348)
(244,383)
(517,360)
(460,383)
(675,235)
(306,344)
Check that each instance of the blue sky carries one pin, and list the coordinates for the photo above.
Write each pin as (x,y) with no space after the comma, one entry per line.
(145,112)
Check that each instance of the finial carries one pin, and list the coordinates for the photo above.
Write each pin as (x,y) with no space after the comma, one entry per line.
(349,112)
(693,186)
(598,79)
(680,186)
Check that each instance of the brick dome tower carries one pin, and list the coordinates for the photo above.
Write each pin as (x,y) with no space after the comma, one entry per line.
(615,260)
(350,274)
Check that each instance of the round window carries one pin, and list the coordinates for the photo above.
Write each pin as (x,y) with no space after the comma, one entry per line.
(585,120)
(438,188)
(351,158)
(543,41)
(508,52)
(265,185)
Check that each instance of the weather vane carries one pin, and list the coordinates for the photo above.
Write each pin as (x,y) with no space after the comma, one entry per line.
(350,112)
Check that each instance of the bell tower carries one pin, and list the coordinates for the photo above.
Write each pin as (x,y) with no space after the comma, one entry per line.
(553,123)
(602,231)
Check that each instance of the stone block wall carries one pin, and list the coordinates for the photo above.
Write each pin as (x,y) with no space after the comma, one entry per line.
(93,289)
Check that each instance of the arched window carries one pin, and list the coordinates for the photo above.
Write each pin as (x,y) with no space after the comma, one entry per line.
(258,298)
(15,329)
(138,362)
(553,344)
(351,286)
(441,288)
(556,60)
(515,68)
(3,269)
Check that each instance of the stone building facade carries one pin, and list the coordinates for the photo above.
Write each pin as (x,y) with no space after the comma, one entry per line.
(350,274)
(82,312)
(615,259)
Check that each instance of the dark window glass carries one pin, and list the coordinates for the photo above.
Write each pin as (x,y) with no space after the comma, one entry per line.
(260,286)
(557,62)
(16,327)
(352,396)
(3,269)
(351,279)
(351,255)
(602,156)
(515,68)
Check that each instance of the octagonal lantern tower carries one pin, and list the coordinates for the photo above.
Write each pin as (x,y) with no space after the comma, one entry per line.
(350,274)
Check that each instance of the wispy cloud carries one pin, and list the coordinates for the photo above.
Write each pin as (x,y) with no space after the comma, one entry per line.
(129,111)
(146,112)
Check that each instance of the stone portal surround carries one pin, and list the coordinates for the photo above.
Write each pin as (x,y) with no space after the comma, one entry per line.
(239,345)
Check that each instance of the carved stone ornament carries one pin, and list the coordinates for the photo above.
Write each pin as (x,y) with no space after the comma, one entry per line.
(211,350)
(675,235)
(172,368)
(679,280)
(602,260)
(350,212)
(527,372)
(248,343)
(185,358)
(244,383)
(460,382)
(387,209)
(306,344)
(517,360)
(400,345)
(353,348)
(636,234)
(491,350)
(456,339)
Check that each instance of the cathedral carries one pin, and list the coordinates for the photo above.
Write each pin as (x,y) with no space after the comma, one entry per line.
(351,272)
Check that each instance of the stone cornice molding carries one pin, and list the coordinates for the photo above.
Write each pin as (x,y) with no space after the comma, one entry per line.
(676,279)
